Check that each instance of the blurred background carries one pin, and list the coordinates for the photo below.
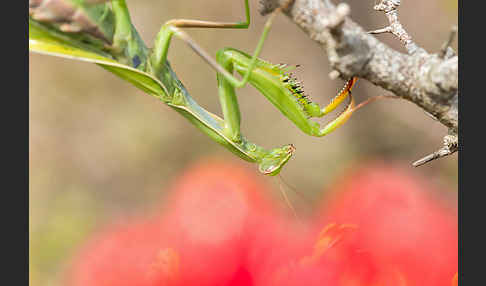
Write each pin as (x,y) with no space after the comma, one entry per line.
(100,148)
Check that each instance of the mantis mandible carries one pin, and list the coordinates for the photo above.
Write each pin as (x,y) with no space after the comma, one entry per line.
(94,31)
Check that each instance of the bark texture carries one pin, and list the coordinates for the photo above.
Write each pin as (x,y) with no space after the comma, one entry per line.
(428,80)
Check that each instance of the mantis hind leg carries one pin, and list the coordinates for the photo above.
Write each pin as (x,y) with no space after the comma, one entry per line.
(186,23)
(173,27)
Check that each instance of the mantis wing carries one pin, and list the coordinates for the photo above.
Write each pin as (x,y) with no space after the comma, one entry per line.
(48,41)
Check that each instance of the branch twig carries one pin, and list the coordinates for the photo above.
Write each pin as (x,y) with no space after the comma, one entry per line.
(428,80)
(446,51)
(450,147)
(390,8)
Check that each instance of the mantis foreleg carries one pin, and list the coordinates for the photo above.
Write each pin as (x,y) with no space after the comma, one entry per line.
(277,85)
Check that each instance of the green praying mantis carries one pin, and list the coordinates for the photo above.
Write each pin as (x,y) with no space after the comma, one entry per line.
(102,33)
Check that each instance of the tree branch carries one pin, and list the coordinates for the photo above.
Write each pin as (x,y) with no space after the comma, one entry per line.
(390,8)
(428,80)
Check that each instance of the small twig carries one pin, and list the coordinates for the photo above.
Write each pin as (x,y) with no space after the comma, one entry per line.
(389,7)
(387,29)
(430,115)
(450,147)
(336,19)
(446,49)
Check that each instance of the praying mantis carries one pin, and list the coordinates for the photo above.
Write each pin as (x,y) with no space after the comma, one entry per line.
(102,33)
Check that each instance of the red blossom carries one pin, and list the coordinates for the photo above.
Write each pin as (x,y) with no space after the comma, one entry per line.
(403,227)
(218,227)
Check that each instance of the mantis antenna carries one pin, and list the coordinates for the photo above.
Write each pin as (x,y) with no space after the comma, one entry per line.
(286,198)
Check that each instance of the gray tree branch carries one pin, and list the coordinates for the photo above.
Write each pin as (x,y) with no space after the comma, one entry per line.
(429,80)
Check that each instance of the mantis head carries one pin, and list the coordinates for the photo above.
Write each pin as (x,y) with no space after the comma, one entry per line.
(272,163)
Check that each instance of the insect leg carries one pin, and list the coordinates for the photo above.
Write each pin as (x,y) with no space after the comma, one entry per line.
(346,114)
(171,28)
(187,23)
(340,97)
(340,120)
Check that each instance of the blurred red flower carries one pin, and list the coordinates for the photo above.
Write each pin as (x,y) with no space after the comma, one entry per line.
(405,234)
(381,227)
